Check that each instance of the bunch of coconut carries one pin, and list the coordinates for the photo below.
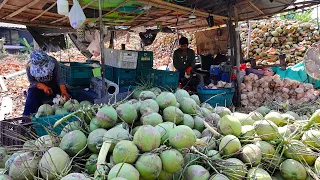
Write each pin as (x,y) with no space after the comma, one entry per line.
(272,37)
(255,92)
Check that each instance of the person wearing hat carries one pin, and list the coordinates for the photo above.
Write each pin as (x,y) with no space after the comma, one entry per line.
(43,73)
(183,58)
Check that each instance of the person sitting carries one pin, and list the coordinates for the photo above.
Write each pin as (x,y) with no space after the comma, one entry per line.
(43,72)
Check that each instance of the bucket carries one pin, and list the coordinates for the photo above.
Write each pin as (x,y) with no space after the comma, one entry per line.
(216,97)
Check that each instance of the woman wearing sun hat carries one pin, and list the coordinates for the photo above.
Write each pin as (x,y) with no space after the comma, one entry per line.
(43,73)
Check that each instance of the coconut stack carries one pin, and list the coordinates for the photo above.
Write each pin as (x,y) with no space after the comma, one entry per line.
(271,37)
(161,135)
(255,92)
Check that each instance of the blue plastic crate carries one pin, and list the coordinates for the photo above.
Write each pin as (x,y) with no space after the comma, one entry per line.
(124,77)
(75,73)
(43,125)
(145,59)
(108,72)
(167,79)
(223,96)
(146,75)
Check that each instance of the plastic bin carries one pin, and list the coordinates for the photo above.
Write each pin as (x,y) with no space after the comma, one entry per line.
(124,77)
(75,73)
(166,79)
(223,96)
(108,72)
(121,58)
(146,75)
(145,59)
(43,125)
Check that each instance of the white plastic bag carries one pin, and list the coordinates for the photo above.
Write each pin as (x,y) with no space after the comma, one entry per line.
(76,15)
(94,47)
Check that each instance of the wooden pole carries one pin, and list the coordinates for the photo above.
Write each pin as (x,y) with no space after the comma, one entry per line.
(249,41)
(102,48)
(238,56)
(3,3)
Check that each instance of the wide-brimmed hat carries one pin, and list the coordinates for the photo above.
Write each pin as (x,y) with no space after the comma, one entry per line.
(41,64)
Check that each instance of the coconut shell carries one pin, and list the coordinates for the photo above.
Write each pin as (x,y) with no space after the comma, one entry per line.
(182,137)
(125,151)
(229,145)
(173,114)
(107,117)
(127,113)
(147,138)
(166,99)
(172,160)
(74,143)
(95,139)
(196,172)
(292,169)
(149,166)
(151,118)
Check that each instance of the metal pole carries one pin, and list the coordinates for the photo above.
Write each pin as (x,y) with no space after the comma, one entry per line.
(102,48)
(238,56)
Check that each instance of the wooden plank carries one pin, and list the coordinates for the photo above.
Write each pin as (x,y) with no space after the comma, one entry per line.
(22,9)
(3,3)
(44,11)
(255,8)
(65,17)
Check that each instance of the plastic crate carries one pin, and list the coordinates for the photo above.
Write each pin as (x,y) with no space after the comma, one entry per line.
(74,91)
(124,77)
(223,96)
(108,72)
(145,59)
(75,73)
(43,125)
(146,75)
(167,79)
(121,58)
(13,133)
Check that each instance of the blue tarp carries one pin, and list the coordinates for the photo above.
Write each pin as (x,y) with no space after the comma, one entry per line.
(296,72)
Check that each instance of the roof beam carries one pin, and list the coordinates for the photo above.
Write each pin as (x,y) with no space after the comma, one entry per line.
(44,11)
(255,8)
(22,9)
(3,3)
(65,17)
(113,10)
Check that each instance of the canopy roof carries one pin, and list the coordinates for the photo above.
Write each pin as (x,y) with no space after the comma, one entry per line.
(134,13)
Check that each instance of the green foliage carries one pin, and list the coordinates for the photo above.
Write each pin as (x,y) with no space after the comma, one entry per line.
(28,47)
(303,16)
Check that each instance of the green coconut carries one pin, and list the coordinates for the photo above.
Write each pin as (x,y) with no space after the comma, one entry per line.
(256,116)
(180,94)
(74,143)
(267,130)
(245,119)
(188,106)
(136,104)
(91,164)
(213,119)
(149,105)
(75,125)
(229,144)
(172,160)
(298,151)
(218,177)
(230,125)
(136,93)
(197,133)
(247,131)
(222,111)
(124,170)
(250,154)
(106,117)
(293,114)
(177,105)
(147,138)
(147,95)
(188,120)
(114,135)
(95,140)
(199,123)
(196,99)
(127,113)
(165,175)
(157,91)
(287,119)
(151,118)
(5,177)
(311,138)
(54,161)
(3,157)
(173,114)
(211,144)
(207,106)
(11,158)
(258,174)
(205,112)
(134,130)
(125,151)
(284,131)
(266,148)
(182,137)
(263,110)
(75,176)
(214,154)
(292,169)
(317,165)
(164,130)
(196,172)
(94,124)
(45,110)
(149,166)
(234,169)
(166,99)
(24,166)
(275,117)
(71,105)
(46,142)
(60,111)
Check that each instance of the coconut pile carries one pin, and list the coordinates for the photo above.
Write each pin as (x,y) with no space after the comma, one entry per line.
(270,38)
(255,92)
(163,135)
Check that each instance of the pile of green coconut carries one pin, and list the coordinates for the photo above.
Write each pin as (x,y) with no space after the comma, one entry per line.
(170,136)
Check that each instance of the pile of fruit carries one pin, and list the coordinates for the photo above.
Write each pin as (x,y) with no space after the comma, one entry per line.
(270,38)
(165,135)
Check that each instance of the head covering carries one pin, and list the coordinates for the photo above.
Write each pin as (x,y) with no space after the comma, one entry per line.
(41,64)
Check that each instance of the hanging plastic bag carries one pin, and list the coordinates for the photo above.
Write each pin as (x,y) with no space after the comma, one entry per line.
(76,15)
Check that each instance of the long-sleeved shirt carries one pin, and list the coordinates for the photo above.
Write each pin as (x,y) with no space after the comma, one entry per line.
(182,62)
(51,80)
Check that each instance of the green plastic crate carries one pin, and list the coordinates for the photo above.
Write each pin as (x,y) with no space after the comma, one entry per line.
(167,79)
(75,73)
(43,125)
(108,72)
(146,75)
(124,77)
(145,59)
